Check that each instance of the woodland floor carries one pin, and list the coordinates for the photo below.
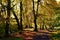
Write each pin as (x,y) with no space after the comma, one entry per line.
(31,35)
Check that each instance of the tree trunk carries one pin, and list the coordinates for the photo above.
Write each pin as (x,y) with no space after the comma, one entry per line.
(34,17)
(8,18)
(17,20)
(21,27)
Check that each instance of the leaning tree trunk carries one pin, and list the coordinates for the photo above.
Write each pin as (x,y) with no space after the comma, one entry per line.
(34,17)
(17,20)
(8,18)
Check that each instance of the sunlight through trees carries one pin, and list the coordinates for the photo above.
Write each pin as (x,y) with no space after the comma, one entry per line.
(33,14)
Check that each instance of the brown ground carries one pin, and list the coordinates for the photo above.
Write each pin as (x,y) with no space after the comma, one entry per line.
(28,35)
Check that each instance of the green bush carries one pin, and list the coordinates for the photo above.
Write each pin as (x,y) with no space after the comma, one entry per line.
(2,26)
(56,36)
(11,38)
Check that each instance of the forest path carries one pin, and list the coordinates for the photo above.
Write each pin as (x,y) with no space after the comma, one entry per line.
(31,35)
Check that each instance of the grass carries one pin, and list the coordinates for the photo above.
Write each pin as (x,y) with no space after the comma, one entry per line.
(56,36)
(11,38)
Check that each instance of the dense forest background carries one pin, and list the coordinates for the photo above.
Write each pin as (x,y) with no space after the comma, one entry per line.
(34,15)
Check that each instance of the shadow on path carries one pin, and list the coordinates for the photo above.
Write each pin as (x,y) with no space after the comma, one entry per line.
(41,37)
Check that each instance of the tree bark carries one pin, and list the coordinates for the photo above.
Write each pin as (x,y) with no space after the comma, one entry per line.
(21,27)
(8,18)
(34,17)
(17,20)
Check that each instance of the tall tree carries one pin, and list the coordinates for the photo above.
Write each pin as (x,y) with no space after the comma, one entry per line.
(35,29)
(8,18)
(21,8)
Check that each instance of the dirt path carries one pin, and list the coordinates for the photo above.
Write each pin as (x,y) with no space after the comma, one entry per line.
(31,35)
